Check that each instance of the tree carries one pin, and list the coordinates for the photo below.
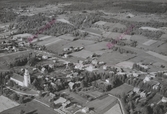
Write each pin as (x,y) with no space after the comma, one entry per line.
(21,99)
(14,96)
(22,112)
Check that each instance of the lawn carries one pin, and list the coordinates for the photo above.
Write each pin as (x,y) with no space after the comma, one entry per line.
(102,105)
(113,58)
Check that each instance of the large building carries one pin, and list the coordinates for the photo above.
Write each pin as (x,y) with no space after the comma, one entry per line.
(22,80)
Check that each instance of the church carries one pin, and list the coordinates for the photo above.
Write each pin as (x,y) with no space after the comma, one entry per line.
(23,81)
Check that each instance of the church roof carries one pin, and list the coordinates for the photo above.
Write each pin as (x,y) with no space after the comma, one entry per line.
(18,77)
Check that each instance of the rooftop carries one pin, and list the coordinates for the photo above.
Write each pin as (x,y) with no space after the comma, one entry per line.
(18,77)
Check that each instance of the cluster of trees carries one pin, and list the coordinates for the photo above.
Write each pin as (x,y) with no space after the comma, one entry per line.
(31,23)
(7,16)
(137,31)
(4,77)
(145,6)
(122,50)
(77,33)
(133,102)
(16,97)
(59,28)
(139,67)
(121,42)
(95,79)
(38,83)
(85,20)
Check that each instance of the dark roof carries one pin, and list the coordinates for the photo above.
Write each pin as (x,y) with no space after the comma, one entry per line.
(18,77)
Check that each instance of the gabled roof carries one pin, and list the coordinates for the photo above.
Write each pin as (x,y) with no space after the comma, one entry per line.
(18,77)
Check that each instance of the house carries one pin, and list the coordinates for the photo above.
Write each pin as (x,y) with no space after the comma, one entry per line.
(146,79)
(71,84)
(142,94)
(85,110)
(136,90)
(60,100)
(164,99)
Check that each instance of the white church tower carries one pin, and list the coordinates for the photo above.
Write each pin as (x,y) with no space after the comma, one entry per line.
(26,78)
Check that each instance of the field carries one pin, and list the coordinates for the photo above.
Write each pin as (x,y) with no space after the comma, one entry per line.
(97,46)
(31,107)
(157,55)
(57,46)
(149,42)
(116,35)
(125,88)
(6,103)
(114,110)
(102,105)
(113,58)
(125,64)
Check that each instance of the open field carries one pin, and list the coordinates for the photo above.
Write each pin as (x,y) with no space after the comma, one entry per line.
(32,106)
(6,103)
